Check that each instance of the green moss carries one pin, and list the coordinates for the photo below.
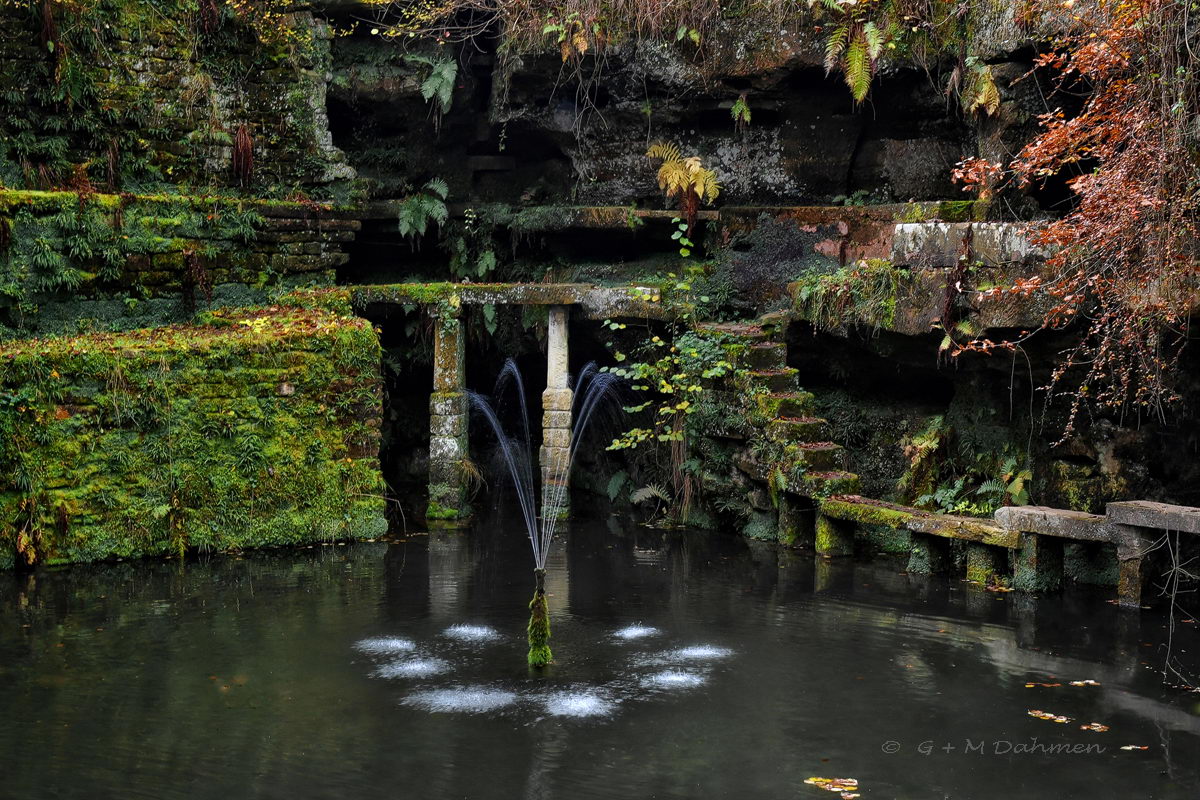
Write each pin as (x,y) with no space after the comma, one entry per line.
(539,631)
(866,293)
(259,428)
(436,511)
(865,512)
(834,537)
(929,555)
(986,565)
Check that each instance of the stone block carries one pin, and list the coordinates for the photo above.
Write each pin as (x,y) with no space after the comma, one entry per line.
(557,399)
(929,555)
(834,537)
(998,243)
(556,438)
(929,244)
(447,403)
(556,419)
(447,426)
(1038,565)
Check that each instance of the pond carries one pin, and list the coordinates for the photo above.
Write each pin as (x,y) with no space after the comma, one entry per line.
(689,665)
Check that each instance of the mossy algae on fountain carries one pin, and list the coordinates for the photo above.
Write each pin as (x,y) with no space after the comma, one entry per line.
(538,630)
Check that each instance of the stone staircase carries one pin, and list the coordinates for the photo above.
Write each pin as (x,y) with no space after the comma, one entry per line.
(787,440)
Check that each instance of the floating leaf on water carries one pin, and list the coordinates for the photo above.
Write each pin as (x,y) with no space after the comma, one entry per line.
(1046,715)
(1088,682)
(1043,685)
(846,787)
(1094,727)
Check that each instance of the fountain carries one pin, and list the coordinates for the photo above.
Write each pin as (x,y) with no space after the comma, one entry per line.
(591,387)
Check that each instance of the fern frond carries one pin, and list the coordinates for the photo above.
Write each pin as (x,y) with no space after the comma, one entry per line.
(663,150)
(438,187)
(651,492)
(857,67)
(874,39)
(835,45)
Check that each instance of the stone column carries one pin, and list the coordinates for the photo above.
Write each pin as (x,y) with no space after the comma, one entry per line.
(834,537)
(1133,545)
(556,418)
(447,421)
(1038,564)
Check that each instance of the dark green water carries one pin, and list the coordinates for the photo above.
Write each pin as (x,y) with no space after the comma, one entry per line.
(246,678)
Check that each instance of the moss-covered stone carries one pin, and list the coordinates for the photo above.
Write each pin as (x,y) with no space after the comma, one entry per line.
(260,427)
(834,537)
(929,555)
(1038,564)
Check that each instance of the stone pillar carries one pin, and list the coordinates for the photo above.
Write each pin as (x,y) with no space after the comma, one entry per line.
(556,419)
(1133,547)
(928,555)
(985,563)
(791,519)
(834,537)
(448,422)
(1039,565)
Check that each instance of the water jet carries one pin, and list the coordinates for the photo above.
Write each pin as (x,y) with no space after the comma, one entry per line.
(591,388)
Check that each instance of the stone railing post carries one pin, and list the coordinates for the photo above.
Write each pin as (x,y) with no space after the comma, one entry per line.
(448,419)
(556,418)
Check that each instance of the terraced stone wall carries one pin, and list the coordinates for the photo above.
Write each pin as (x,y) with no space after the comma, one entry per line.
(253,428)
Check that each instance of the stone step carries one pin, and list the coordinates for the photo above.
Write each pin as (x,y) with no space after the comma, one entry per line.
(765,355)
(819,456)
(786,404)
(823,483)
(797,429)
(776,381)
(814,483)
(736,330)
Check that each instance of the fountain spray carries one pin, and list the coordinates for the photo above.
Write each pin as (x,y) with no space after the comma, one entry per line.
(591,388)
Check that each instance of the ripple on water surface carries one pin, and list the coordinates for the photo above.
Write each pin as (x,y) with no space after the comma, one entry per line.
(637,631)
(698,652)
(465,699)
(412,668)
(673,679)
(578,704)
(471,633)
(384,645)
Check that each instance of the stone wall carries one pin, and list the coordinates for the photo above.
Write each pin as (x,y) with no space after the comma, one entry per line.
(106,262)
(254,428)
(137,94)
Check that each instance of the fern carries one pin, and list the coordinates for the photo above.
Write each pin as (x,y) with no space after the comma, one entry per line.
(874,39)
(428,205)
(615,483)
(835,45)
(437,87)
(857,67)
(651,492)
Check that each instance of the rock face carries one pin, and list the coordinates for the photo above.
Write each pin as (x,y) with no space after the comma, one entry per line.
(154,99)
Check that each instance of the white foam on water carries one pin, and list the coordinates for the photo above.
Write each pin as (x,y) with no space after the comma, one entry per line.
(637,631)
(384,646)
(471,633)
(412,668)
(465,699)
(697,652)
(578,704)
(673,679)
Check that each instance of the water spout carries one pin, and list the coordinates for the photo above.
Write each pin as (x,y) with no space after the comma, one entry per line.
(591,388)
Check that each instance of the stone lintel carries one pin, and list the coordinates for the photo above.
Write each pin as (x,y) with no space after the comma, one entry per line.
(1059,522)
(1155,516)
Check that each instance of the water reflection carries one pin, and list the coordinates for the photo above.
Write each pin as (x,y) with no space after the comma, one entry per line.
(325,672)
